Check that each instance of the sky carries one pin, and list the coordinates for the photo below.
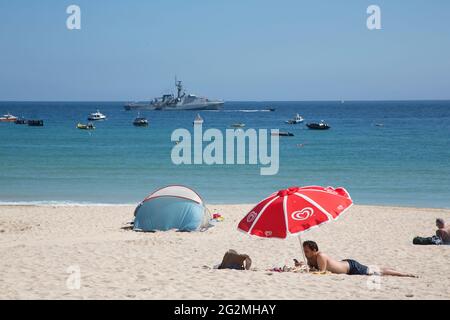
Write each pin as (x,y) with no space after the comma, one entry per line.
(255,50)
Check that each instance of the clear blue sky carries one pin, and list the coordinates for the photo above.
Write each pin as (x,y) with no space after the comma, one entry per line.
(230,49)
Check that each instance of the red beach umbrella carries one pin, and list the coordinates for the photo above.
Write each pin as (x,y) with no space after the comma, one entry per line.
(294,211)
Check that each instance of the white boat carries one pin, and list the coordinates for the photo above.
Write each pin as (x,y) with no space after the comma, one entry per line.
(198,120)
(96,116)
(8,118)
(298,119)
(238,125)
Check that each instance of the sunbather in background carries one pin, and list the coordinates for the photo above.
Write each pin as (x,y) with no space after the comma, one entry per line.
(443,231)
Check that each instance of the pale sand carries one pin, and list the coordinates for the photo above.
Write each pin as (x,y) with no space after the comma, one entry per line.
(38,244)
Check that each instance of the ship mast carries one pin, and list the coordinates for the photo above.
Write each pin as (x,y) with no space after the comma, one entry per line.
(179,87)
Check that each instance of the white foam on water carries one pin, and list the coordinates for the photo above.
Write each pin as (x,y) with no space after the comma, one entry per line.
(63,204)
(240,110)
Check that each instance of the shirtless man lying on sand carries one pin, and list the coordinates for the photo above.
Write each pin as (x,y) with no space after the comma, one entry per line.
(321,262)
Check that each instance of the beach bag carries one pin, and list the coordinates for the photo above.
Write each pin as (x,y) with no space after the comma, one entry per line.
(434,240)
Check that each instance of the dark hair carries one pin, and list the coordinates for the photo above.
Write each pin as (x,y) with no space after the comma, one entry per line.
(311,245)
(440,221)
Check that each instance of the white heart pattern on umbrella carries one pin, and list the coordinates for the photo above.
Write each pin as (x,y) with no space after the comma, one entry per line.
(303,214)
(252,215)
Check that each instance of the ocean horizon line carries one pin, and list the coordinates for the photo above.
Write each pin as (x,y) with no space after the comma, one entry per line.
(233,101)
(63,203)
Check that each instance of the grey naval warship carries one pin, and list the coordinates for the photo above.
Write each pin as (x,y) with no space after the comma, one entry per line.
(182,101)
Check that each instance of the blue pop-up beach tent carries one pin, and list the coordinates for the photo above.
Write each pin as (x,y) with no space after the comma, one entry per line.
(172,207)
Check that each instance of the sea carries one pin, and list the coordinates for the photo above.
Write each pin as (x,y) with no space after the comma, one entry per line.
(382,152)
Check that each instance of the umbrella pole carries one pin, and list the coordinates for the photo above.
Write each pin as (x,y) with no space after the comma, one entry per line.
(303,252)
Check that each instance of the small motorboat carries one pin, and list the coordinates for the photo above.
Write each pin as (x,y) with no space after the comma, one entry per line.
(283,134)
(8,118)
(238,125)
(298,119)
(272,109)
(21,121)
(140,121)
(35,123)
(198,120)
(96,116)
(318,126)
(88,126)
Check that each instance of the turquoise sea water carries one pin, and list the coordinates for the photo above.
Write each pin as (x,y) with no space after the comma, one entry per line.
(405,162)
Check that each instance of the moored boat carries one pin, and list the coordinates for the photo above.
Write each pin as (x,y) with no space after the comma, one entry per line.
(8,118)
(35,123)
(318,125)
(298,119)
(283,134)
(238,125)
(21,121)
(88,126)
(96,116)
(140,121)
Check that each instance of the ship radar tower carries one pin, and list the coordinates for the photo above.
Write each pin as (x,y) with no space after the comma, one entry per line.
(179,86)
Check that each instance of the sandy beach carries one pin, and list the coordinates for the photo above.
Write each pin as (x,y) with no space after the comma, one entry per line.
(39,243)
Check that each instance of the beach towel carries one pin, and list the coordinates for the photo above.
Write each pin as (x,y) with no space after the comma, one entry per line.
(434,240)
(300,269)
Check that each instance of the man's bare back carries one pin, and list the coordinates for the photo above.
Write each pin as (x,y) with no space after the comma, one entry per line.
(322,262)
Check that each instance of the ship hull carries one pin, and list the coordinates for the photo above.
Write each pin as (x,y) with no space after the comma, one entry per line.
(195,106)
(129,107)
(183,107)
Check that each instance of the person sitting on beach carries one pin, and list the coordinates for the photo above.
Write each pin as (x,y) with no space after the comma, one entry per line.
(234,260)
(321,262)
(443,231)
